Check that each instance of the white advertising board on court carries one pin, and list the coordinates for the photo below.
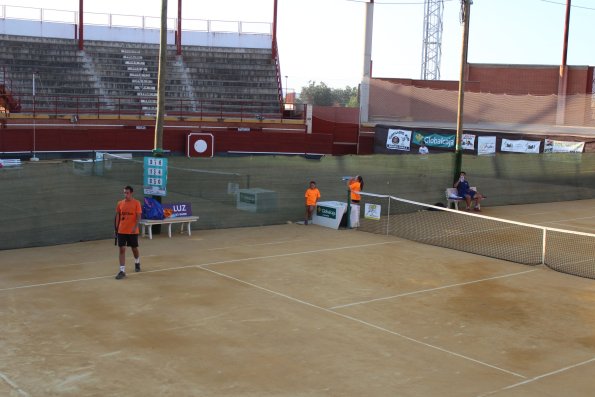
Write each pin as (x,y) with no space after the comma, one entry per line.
(329,213)
(372,211)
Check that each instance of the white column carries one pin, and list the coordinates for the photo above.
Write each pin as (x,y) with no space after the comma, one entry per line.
(364,90)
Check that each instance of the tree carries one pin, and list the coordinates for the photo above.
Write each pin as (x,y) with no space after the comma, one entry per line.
(323,95)
(317,94)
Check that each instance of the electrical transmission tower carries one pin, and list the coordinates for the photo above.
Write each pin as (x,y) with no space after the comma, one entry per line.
(432,45)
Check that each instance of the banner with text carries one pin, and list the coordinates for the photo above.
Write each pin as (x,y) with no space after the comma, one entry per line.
(486,145)
(468,142)
(398,140)
(552,146)
(175,210)
(434,140)
(520,146)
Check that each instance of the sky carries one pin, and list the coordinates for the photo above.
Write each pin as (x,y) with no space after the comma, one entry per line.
(323,40)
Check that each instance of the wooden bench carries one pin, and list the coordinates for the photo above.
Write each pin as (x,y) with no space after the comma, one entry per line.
(147,224)
(452,197)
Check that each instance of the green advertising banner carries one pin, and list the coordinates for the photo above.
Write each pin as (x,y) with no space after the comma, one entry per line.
(326,212)
(434,140)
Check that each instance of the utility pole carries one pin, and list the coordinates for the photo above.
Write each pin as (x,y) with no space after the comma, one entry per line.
(563,76)
(158,144)
(81,28)
(465,16)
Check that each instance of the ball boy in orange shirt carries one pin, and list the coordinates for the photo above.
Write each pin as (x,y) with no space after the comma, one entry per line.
(312,195)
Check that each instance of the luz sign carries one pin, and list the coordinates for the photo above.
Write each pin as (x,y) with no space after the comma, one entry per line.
(174,210)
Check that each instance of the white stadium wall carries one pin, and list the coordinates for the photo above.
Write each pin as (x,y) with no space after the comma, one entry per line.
(45,29)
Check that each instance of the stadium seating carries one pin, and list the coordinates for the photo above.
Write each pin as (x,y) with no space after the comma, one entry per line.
(121,78)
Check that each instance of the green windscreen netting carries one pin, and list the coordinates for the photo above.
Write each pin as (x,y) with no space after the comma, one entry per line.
(62,201)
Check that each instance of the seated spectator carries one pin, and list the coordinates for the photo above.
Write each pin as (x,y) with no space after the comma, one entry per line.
(464,190)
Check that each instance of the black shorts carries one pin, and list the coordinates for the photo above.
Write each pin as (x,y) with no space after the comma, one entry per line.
(130,240)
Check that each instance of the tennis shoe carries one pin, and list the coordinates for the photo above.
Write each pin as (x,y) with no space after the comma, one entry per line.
(477,209)
(137,267)
(120,275)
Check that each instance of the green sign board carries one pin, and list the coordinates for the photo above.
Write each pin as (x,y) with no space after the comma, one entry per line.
(248,198)
(155,176)
(326,212)
(434,140)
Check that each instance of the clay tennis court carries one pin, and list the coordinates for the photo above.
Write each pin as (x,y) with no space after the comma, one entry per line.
(291,310)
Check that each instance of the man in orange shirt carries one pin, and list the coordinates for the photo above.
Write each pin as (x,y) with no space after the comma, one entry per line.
(312,195)
(128,214)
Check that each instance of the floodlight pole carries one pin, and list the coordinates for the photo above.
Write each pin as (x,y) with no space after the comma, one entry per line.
(158,144)
(466,7)
(179,41)
(81,30)
(563,75)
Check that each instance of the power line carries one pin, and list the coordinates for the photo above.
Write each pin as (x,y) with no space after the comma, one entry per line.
(572,5)
(399,3)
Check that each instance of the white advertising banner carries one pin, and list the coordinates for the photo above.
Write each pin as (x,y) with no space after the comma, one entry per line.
(552,146)
(468,142)
(398,139)
(372,211)
(486,145)
(520,146)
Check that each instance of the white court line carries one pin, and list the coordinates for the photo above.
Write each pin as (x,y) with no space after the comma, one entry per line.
(589,229)
(14,386)
(361,322)
(192,266)
(430,289)
(573,219)
(538,377)
(255,245)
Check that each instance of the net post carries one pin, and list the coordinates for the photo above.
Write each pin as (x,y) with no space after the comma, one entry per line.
(348,209)
(388,217)
(543,246)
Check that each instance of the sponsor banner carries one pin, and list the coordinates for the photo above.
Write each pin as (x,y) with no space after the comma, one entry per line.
(372,211)
(248,198)
(174,210)
(486,145)
(552,146)
(468,142)
(326,212)
(398,139)
(435,140)
(520,146)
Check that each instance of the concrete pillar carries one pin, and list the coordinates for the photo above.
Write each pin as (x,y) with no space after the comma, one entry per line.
(364,90)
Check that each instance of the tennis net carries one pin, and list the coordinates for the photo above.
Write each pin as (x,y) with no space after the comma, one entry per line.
(561,250)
